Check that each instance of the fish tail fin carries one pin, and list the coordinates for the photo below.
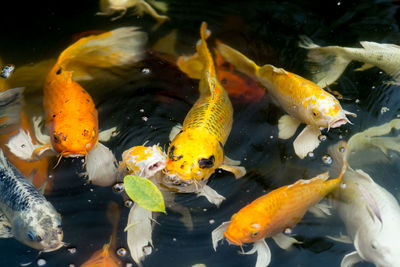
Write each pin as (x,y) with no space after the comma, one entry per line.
(120,47)
(338,153)
(326,63)
(237,59)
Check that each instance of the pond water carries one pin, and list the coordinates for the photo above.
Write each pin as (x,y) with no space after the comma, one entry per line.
(266,31)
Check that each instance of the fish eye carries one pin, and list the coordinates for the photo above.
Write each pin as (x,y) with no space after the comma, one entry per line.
(254,233)
(56,139)
(374,244)
(206,163)
(315,113)
(31,236)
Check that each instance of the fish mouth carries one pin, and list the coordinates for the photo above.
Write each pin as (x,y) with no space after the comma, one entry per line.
(54,247)
(73,155)
(338,123)
(231,240)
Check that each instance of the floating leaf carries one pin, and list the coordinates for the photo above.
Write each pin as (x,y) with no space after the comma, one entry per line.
(144,193)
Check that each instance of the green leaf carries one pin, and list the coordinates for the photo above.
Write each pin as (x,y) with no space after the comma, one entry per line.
(144,193)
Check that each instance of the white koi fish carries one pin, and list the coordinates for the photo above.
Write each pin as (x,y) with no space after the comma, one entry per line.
(331,61)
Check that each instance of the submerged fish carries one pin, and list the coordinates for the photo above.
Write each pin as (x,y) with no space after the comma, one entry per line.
(110,7)
(372,218)
(303,100)
(24,213)
(331,61)
(196,150)
(105,257)
(278,211)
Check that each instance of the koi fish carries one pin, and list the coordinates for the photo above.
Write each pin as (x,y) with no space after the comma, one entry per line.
(329,62)
(105,256)
(303,100)
(24,213)
(196,150)
(110,7)
(372,217)
(279,211)
(70,113)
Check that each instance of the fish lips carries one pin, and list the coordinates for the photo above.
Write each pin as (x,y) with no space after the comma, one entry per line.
(231,240)
(338,123)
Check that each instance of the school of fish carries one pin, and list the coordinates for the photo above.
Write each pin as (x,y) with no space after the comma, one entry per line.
(67,127)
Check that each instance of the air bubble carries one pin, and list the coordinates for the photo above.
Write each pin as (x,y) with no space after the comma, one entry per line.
(41,262)
(310,154)
(128,264)
(128,203)
(327,159)
(146,71)
(343,185)
(122,252)
(322,137)
(212,221)
(118,187)
(71,265)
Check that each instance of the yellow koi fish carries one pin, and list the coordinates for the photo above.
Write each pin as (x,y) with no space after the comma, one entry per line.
(330,61)
(303,100)
(279,211)
(197,150)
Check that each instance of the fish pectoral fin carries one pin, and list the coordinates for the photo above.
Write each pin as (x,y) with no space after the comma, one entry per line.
(5,227)
(175,131)
(101,166)
(321,210)
(365,66)
(285,242)
(238,171)
(263,253)
(350,259)
(231,162)
(218,234)
(306,141)
(211,195)
(341,238)
(350,113)
(287,126)
(106,135)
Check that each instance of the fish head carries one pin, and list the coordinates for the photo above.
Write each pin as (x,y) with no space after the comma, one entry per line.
(325,111)
(192,157)
(244,228)
(73,141)
(144,161)
(39,228)
(379,245)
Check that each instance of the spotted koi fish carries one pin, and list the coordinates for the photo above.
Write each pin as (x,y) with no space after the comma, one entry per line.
(303,100)
(196,151)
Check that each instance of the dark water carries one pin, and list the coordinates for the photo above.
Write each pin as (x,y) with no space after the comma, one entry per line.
(266,31)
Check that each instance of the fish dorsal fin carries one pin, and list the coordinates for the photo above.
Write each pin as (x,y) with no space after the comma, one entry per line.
(237,59)
(377,46)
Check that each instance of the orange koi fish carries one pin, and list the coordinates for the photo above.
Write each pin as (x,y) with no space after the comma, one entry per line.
(105,257)
(279,211)
(196,151)
(70,113)
(303,100)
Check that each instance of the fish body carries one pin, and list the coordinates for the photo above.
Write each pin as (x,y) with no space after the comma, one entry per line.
(330,61)
(278,210)
(31,219)
(372,218)
(303,100)
(197,150)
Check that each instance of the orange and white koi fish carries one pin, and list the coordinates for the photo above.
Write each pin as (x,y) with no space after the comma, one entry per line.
(303,100)
(279,211)
(105,257)
(196,151)
(70,113)
(110,7)
(329,62)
